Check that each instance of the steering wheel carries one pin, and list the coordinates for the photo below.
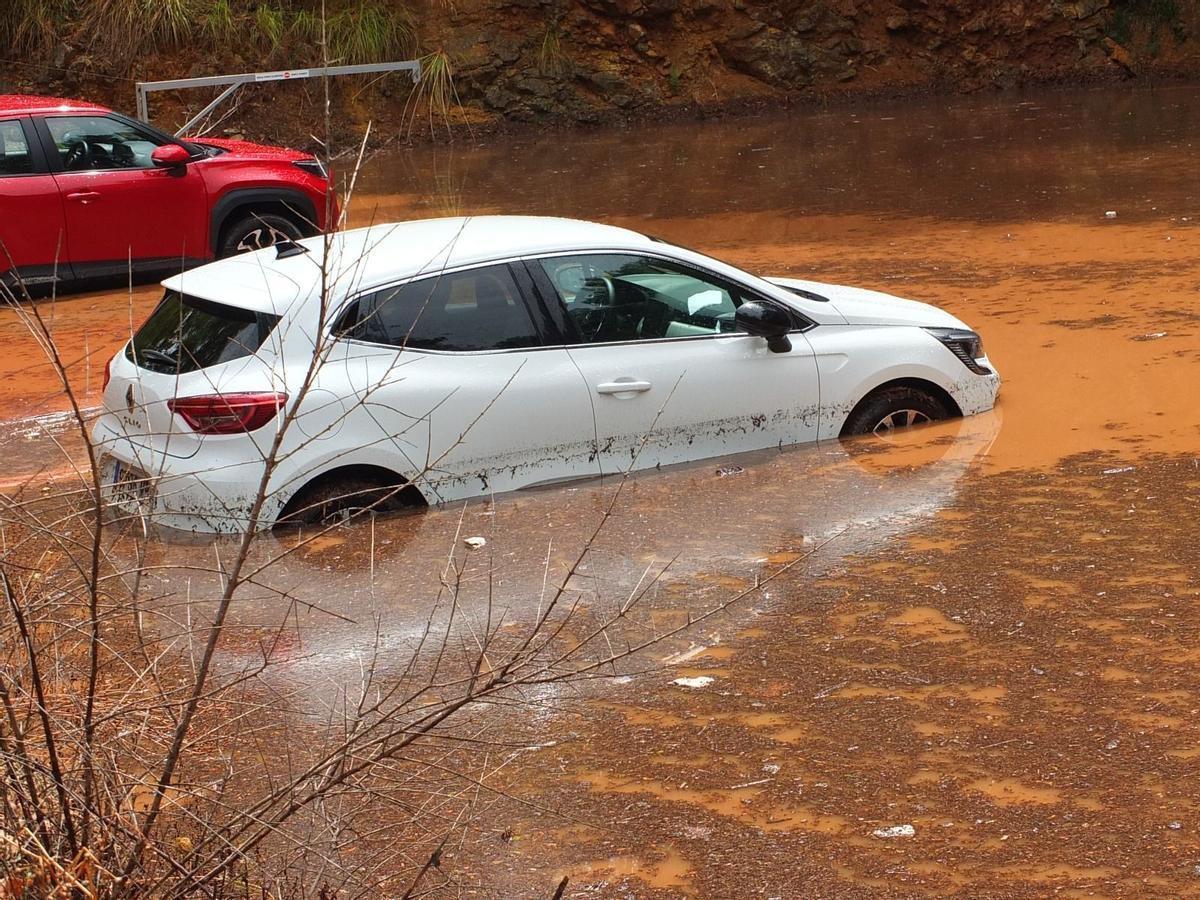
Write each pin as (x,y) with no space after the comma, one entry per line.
(598,295)
(78,155)
(85,155)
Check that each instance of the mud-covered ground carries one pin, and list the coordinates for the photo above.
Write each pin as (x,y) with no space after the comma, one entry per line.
(988,631)
(1015,681)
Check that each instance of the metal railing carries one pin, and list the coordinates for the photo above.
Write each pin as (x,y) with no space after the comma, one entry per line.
(233,82)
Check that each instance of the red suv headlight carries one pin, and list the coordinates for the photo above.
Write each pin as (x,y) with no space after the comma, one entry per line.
(313,167)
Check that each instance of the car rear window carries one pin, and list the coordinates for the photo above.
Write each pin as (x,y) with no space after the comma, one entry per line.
(186,333)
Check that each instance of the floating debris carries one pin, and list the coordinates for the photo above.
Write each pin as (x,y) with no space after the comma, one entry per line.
(895,831)
(685,655)
(475,543)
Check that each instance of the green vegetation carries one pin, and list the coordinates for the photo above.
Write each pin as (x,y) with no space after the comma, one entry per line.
(122,30)
(435,91)
(30,24)
(1148,20)
(371,31)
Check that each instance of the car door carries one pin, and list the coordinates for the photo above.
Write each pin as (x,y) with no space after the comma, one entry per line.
(32,223)
(118,205)
(453,372)
(670,377)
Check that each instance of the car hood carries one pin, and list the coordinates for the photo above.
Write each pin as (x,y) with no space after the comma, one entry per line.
(859,306)
(250,149)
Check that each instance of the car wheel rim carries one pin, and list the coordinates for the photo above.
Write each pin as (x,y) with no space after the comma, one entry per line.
(260,238)
(901,418)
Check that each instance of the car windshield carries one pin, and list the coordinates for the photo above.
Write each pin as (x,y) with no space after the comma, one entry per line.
(186,333)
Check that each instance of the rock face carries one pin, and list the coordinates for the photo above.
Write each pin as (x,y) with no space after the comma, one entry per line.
(591,60)
(582,60)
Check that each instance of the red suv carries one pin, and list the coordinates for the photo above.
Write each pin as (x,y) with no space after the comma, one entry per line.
(86,193)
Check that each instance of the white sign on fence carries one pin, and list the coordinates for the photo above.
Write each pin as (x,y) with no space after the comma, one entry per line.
(281,76)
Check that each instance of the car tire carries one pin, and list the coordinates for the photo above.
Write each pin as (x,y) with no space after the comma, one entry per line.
(327,502)
(892,408)
(257,232)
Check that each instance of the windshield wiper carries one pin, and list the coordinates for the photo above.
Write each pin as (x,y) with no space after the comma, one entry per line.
(158,356)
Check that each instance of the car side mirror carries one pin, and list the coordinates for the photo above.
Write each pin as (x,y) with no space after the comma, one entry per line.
(765,320)
(169,156)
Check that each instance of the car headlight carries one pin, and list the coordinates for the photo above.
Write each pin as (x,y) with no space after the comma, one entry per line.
(965,344)
(313,167)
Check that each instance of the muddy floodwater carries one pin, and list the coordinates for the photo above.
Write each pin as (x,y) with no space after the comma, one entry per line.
(977,674)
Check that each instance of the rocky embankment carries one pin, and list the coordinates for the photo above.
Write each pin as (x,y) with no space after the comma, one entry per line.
(597,60)
(538,59)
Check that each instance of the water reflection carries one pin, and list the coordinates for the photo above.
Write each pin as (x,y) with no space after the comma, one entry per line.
(1044,155)
(720,525)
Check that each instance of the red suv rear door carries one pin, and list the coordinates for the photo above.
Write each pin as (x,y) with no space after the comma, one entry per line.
(32,224)
(118,205)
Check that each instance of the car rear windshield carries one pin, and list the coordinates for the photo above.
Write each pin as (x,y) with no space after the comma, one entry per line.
(187,333)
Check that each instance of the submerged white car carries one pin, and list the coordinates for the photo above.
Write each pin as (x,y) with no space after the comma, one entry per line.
(445,359)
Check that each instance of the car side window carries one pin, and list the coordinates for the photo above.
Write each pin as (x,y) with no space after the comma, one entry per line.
(99,142)
(478,309)
(14,149)
(624,297)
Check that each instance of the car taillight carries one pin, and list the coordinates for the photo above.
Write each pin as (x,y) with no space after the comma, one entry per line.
(227,413)
(107,375)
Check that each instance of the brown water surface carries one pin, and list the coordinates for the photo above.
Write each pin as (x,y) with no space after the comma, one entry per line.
(996,640)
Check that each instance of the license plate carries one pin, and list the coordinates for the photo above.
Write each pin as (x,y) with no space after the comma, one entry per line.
(129,488)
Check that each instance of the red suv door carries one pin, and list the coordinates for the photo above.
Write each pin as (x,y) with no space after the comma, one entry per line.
(32,226)
(118,204)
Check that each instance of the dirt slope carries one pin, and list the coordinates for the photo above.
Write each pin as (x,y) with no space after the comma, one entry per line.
(595,60)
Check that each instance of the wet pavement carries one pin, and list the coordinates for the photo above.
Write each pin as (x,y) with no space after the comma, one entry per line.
(990,633)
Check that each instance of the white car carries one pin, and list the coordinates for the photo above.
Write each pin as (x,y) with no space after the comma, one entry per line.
(445,359)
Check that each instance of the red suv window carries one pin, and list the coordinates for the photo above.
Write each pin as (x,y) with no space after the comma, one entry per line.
(15,158)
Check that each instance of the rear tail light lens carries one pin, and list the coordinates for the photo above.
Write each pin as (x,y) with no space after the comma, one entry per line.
(227,413)
(107,375)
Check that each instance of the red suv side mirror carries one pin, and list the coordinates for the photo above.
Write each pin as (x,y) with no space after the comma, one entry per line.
(169,155)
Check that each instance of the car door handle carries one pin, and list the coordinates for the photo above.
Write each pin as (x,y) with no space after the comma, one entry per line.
(83,196)
(623,387)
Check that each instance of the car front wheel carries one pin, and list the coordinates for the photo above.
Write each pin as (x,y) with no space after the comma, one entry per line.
(258,232)
(891,408)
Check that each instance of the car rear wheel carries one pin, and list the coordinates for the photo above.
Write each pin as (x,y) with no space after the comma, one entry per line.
(891,408)
(328,502)
(256,232)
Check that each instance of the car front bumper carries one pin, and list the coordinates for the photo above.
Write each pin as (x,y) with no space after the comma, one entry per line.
(977,393)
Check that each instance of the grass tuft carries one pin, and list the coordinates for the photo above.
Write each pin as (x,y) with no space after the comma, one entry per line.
(435,91)
(219,24)
(271,25)
(552,58)
(31,25)
(370,32)
(357,31)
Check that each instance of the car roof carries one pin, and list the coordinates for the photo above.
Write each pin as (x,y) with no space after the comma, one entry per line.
(364,258)
(29,103)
